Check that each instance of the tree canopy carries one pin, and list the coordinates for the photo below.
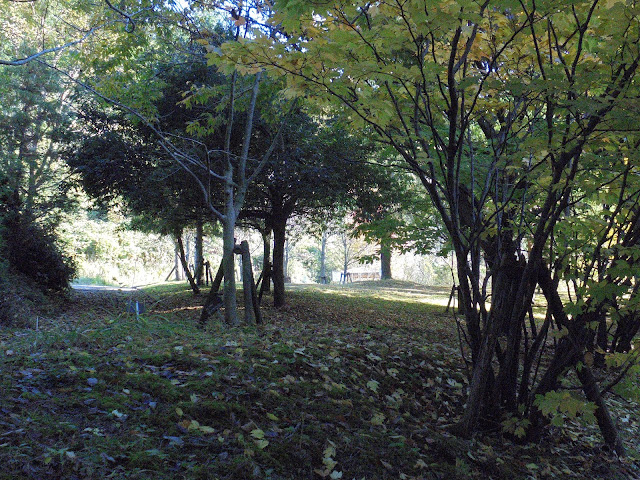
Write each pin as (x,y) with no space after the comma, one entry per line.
(518,118)
(510,114)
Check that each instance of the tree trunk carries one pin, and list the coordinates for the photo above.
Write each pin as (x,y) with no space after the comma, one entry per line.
(506,295)
(185,266)
(605,422)
(385,261)
(345,258)
(285,263)
(187,255)
(323,258)
(229,267)
(486,395)
(199,260)
(569,352)
(266,263)
(626,329)
(176,263)
(279,240)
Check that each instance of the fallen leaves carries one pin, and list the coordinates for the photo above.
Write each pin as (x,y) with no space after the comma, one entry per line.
(340,394)
(373,385)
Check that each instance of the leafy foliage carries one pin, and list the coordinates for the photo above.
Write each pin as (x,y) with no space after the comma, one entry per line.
(510,115)
(27,249)
(34,254)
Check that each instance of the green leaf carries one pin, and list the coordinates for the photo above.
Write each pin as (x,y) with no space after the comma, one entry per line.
(262,444)
(373,385)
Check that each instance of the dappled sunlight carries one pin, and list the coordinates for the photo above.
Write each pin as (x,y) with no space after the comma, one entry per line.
(392,291)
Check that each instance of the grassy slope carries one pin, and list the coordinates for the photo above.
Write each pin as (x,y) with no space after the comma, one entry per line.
(357,382)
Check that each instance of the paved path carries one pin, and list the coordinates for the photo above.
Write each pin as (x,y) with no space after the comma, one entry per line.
(103,288)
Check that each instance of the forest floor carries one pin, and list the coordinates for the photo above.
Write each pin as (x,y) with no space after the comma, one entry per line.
(355,382)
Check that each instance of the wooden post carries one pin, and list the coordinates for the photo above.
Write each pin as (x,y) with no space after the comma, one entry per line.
(251,305)
(251,308)
(266,281)
(452,298)
(212,297)
(168,276)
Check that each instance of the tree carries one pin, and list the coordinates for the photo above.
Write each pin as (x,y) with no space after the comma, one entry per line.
(502,110)
(119,161)
(236,98)
(384,214)
(33,126)
(315,169)
(34,120)
(36,31)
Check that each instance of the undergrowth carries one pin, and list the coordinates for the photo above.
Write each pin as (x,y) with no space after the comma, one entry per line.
(336,385)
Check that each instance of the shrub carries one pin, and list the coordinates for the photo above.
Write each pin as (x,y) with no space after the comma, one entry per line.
(30,251)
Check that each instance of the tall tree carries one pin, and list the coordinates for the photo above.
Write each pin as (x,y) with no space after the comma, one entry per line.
(501,110)
(315,168)
(122,84)
(34,120)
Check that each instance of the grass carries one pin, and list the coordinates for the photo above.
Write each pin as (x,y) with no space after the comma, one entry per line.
(357,381)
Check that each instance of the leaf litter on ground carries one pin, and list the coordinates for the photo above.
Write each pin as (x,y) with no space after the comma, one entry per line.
(345,382)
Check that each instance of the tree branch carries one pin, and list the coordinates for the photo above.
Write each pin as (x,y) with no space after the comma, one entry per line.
(30,58)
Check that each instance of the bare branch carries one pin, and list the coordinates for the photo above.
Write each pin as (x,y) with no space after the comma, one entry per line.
(131,25)
(30,58)
(180,157)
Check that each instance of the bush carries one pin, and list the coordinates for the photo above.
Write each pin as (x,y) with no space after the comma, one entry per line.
(31,264)
(32,252)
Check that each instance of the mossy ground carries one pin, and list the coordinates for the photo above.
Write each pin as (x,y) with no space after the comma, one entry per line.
(348,382)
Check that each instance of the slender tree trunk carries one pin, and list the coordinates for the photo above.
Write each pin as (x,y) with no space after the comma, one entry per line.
(279,240)
(199,248)
(266,264)
(385,261)
(345,258)
(229,267)
(605,422)
(323,257)
(187,254)
(176,263)
(569,352)
(285,265)
(185,266)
